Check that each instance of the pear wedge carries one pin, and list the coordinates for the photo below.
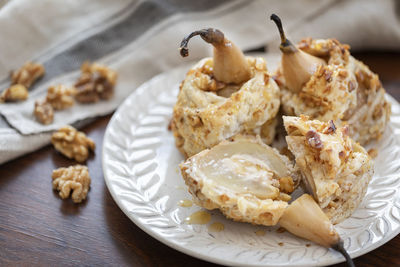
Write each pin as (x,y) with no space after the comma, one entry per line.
(230,64)
(297,66)
(304,218)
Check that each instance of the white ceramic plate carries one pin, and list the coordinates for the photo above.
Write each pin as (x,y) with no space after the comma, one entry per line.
(140,164)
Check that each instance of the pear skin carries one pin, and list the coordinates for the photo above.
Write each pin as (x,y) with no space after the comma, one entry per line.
(230,64)
(297,66)
(304,218)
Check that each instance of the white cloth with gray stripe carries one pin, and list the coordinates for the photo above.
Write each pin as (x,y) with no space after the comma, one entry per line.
(140,39)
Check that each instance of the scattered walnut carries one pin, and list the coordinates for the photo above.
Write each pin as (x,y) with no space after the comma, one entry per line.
(60,96)
(75,178)
(72,143)
(16,92)
(96,82)
(373,153)
(43,112)
(286,184)
(27,74)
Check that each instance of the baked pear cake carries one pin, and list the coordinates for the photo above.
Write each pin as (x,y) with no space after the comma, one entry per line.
(320,78)
(333,166)
(245,179)
(223,96)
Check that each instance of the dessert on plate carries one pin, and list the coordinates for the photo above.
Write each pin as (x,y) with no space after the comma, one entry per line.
(320,78)
(246,179)
(223,96)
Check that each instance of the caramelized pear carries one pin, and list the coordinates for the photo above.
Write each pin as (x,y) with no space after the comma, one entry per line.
(297,65)
(230,64)
(304,218)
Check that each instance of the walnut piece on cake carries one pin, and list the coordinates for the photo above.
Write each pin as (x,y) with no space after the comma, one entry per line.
(334,166)
(27,74)
(74,178)
(43,112)
(72,143)
(96,82)
(60,96)
(14,93)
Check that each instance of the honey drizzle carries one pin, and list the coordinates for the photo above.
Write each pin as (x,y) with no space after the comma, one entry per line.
(186,203)
(199,217)
(260,232)
(216,227)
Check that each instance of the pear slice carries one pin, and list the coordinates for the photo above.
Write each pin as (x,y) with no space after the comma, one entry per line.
(304,218)
(246,179)
(297,65)
(230,64)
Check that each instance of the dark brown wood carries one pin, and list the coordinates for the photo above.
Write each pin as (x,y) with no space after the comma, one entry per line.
(38,228)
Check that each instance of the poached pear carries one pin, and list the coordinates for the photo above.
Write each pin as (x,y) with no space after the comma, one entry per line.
(304,218)
(297,65)
(230,65)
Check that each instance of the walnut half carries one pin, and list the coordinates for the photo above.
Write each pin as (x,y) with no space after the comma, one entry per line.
(27,74)
(96,82)
(16,92)
(60,96)
(75,178)
(43,112)
(72,143)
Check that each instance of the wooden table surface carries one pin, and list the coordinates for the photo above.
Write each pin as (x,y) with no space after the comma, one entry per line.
(38,228)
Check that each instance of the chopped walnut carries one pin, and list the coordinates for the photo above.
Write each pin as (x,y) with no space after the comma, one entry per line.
(314,139)
(27,74)
(286,184)
(72,143)
(373,153)
(16,92)
(60,96)
(75,178)
(43,112)
(96,82)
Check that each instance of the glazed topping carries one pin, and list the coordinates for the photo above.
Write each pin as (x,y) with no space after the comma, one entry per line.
(242,168)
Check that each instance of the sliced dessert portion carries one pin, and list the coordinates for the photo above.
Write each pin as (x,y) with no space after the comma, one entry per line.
(246,179)
(223,96)
(320,78)
(333,166)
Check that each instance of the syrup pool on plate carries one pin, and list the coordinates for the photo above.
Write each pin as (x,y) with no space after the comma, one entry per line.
(199,217)
(186,203)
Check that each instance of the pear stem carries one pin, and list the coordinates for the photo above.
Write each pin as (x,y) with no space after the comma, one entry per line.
(210,35)
(339,247)
(286,45)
